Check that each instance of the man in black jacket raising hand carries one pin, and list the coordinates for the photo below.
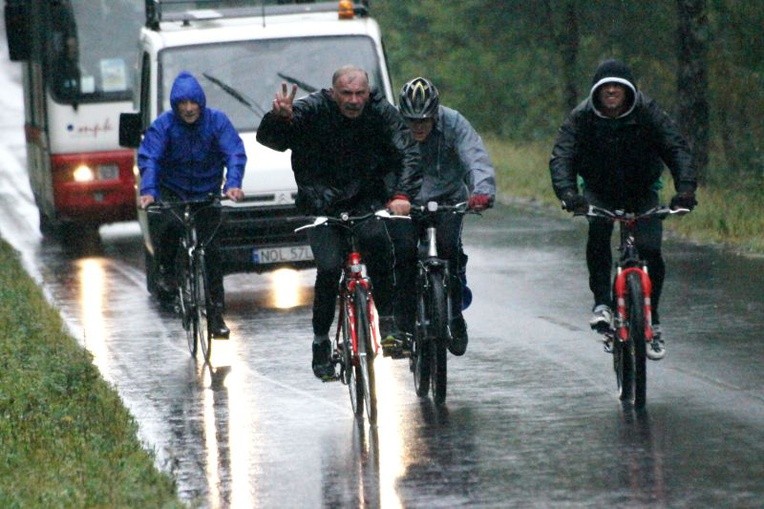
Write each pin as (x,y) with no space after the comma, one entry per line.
(345,141)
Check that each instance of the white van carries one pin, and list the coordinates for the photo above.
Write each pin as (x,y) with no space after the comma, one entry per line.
(241,55)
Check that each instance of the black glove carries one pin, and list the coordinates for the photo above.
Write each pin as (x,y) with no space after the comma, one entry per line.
(684,200)
(575,203)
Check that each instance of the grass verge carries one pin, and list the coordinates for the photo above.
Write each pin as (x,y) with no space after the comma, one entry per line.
(66,440)
(732,216)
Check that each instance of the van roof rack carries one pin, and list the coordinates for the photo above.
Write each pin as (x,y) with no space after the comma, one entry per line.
(186,11)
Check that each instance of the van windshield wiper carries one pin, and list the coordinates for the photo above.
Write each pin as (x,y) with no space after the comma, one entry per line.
(236,95)
(308,88)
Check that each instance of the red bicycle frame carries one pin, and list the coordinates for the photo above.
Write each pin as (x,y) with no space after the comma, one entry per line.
(620,289)
(354,276)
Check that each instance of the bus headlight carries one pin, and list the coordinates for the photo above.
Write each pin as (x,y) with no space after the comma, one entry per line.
(83,173)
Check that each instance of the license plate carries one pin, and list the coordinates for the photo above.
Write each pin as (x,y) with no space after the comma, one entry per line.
(263,256)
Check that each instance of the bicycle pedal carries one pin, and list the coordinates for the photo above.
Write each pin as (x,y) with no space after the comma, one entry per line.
(607,341)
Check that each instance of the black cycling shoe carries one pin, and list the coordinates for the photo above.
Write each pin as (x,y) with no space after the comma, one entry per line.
(217,327)
(458,343)
(322,364)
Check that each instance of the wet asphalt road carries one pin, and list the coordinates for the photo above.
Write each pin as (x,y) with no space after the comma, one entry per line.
(532,418)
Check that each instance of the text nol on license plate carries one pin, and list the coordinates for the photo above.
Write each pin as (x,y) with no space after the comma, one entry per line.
(266,255)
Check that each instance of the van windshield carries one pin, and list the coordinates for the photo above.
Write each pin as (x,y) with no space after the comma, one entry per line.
(241,78)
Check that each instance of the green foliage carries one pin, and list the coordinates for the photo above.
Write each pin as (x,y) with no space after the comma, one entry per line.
(66,440)
(498,62)
(731,216)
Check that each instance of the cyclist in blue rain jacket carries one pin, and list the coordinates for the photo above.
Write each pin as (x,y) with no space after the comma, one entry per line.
(456,168)
(618,141)
(188,153)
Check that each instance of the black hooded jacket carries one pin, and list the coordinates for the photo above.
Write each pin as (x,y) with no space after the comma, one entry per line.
(339,163)
(620,159)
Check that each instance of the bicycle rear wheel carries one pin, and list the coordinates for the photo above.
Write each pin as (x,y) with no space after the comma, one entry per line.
(637,336)
(200,292)
(365,352)
(438,336)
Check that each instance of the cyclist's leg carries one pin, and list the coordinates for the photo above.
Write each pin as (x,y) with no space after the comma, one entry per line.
(404,235)
(599,256)
(164,237)
(329,247)
(648,236)
(649,239)
(466,292)
(207,223)
(450,248)
(165,231)
(599,260)
(377,249)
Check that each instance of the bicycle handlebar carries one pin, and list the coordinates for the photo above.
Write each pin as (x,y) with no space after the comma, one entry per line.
(432,207)
(208,200)
(345,219)
(660,211)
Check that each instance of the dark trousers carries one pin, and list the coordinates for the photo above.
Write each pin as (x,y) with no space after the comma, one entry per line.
(330,246)
(408,237)
(599,256)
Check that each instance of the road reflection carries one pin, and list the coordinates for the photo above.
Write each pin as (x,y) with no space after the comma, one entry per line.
(641,461)
(92,297)
(287,291)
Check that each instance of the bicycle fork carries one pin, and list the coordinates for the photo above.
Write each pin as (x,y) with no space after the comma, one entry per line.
(621,291)
(357,275)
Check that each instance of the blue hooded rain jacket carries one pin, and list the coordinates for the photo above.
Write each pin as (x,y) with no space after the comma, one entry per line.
(188,159)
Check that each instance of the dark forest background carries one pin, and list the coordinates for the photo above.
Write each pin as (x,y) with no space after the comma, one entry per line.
(516,67)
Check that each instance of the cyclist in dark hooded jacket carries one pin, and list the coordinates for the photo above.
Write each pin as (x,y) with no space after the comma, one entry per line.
(344,142)
(183,156)
(617,141)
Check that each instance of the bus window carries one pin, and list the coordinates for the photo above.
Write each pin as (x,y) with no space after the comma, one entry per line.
(91,59)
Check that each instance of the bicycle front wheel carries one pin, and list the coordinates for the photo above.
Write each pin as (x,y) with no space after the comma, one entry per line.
(200,293)
(420,353)
(351,371)
(365,352)
(439,336)
(187,302)
(637,336)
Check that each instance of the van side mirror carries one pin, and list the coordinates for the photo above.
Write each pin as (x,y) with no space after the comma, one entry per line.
(17,29)
(130,130)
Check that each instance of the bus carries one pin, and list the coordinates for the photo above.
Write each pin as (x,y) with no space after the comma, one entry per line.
(77,58)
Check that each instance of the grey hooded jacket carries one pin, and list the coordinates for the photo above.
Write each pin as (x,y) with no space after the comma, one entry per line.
(455,161)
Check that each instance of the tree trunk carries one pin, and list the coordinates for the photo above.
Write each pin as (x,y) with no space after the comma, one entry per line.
(692,80)
(565,39)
